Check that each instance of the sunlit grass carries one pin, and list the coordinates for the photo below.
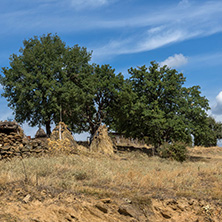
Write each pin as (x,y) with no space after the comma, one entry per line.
(127,174)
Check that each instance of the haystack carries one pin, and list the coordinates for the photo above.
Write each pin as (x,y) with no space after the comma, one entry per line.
(40,133)
(65,143)
(101,142)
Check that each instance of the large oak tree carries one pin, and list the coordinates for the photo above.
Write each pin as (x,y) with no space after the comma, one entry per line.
(36,81)
(154,104)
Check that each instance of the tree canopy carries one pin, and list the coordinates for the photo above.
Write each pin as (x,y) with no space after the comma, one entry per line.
(98,90)
(37,79)
(157,106)
(208,133)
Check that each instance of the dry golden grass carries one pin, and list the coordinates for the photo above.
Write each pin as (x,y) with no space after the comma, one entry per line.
(127,174)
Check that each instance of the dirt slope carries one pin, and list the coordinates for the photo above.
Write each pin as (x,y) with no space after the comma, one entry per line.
(23,202)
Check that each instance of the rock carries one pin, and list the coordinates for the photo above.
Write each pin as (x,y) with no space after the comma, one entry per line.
(11,136)
(201,203)
(127,200)
(107,200)
(102,207)
(182,206)
(12,144)
(5,140)
(27,198)
(166,214)
(128,210)
(8,126)
(5,148)
(38,151)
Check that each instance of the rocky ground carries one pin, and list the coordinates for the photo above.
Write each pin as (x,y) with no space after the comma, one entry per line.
(20,202)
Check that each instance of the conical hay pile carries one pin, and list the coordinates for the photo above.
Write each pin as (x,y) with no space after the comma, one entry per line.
(67,142)
(101,142)
(40,133)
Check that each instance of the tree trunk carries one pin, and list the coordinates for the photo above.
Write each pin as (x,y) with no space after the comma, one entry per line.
(155,148)
(48,128)
(93,130)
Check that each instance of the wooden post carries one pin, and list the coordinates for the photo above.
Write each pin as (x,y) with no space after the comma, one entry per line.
(60,133)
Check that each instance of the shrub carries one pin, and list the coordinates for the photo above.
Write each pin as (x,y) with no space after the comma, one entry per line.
(175,151)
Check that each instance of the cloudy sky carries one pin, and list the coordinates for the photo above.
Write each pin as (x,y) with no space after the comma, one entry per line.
(186,35)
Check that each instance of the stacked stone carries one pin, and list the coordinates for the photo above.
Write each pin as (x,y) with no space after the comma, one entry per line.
(31,147)
(13,143)
(25,148)
(11,139)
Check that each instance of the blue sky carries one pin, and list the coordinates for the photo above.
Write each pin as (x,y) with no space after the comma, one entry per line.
(186,35)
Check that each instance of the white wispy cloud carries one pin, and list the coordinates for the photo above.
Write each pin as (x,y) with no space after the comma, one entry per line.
(129,32)
(138,43)
(166,27)
(174,61)
(184,3)
(198,16)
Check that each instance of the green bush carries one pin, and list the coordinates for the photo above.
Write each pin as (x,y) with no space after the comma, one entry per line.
(175,151)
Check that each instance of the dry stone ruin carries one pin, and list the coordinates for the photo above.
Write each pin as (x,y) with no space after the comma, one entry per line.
(13,142)
(10,134)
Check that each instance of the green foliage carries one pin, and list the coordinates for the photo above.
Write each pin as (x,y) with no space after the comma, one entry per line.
(209,134)
(175,151)
(154,104)
(98,90)
(49,77)
(37,80)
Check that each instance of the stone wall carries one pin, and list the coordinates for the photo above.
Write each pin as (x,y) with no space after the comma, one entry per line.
(12,145)
(121,140)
